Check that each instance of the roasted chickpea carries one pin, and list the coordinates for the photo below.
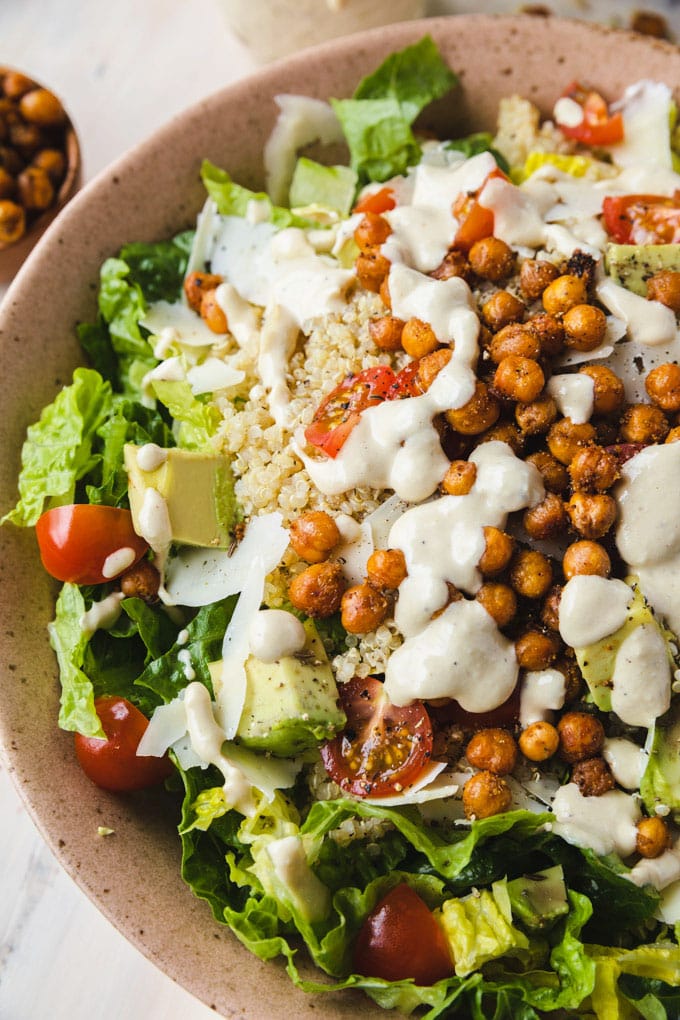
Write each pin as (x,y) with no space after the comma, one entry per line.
(539,741)
(318,590)
(584,327)
(480,412)
(564,293)
(663,385)
(594,469)
(653,837)
(513,339)
(313,536)
(385,332)
(497,553)
(386,568)
(555,476)
(453,264)
(384,292)
(519,379)
(12,222)
(141,581)
(550,610)
(586,557)
(500,602)
(581,264)
(492,259)
(591,515)
(494,750)
(565,439)
(15,84)
(664,286)
(371,268)
(7,184)
(504,432)
(212,312)
(363,608)
(673,436)
(531,574)
(537,416)
(196,285)
(36,190)
(593,777)
(581,736)
(534,277)
(53,162)
(547,518)
(573,681)
(431,365)
(643,423)
(459,478)
(418,338)
(501,309)
(26,138)
(41,107)
(373,230)
(537,650)
(608,393)
(486,794)
(549,332)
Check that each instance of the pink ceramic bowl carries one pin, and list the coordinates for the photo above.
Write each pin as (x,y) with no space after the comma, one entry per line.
(154,191)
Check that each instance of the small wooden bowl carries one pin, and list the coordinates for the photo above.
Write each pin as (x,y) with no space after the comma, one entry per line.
(12,255)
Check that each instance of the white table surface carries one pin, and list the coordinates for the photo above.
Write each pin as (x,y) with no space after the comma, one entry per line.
(122,67)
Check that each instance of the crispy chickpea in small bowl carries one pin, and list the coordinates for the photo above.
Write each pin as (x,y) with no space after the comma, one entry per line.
(39,164)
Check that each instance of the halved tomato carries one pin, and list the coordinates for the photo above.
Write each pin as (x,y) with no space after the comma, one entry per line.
(643,219)
(113,764)
(376,201)
(87,543)
(506,715)
(598,126)
(475,221)
(383,747)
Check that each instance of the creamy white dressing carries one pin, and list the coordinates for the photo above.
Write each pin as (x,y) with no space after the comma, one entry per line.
(604,824)
(118,561)
(541,694)
(244,320)
(641,679)
(648,322)
(154,524)
(274,633)
(574,396)
(310,897)
(184,658)
(568,112)
(659,871)
(626,760)
(103,614)
(592,608)
(150,456)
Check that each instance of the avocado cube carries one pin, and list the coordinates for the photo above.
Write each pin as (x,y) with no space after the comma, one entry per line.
(631,265)
(198,489)
(292,704)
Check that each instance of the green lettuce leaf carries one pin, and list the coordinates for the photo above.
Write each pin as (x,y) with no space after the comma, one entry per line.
(233,199)
(331,187)
(69,641)
(480,141)
(478,929)
(654,999)
(198,421)
(377,120)
(57,451)
(658,964)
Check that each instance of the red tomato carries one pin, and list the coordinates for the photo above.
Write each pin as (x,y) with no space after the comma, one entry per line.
(75,541)
(401,939)
(598,126)
(113,764)
(383,748)
(406,383)
(475,221)
(339,412)
(376,202)
(506,715)
(643,219)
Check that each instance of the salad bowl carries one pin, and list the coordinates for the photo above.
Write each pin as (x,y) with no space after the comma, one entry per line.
(153,192)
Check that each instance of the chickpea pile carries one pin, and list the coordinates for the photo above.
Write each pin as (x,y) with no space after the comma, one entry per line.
(33,153)
(529,314)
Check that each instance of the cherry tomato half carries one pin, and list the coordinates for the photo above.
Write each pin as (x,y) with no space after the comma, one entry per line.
(75,542)
(401,939)
(339,412)
(383,747)
(113,763)
(598,126)
(643,219)
(505,715)
(376,202)
(475,221)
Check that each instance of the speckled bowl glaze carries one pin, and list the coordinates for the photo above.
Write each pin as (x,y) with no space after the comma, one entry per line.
(133,876)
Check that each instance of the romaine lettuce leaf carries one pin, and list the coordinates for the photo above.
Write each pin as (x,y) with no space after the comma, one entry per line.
(478,930)
(233,199)
(331,187)
(480,141)
(197,420)
(377,120)
(69,641)
(58,450)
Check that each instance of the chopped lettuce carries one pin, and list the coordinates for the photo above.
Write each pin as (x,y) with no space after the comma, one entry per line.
(479,928)
(69,640)
(58,450)
(326,187)
(377,120)
(480,141)
(196,420)
(233,199)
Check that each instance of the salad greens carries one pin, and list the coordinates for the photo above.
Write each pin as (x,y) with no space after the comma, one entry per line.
(587,959)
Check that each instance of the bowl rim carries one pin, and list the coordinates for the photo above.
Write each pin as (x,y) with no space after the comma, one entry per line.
(127,918)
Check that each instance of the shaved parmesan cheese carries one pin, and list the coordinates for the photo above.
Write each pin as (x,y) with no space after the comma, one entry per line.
(301,121)
(431,785)
(190,328)
(207,225)
(648,322)
(167,725)
(213,374)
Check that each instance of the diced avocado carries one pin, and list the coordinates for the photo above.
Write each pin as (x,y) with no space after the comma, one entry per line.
(660,786)
(292,704)
(597,661)
(631,265)
(539,900)
(198,489)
